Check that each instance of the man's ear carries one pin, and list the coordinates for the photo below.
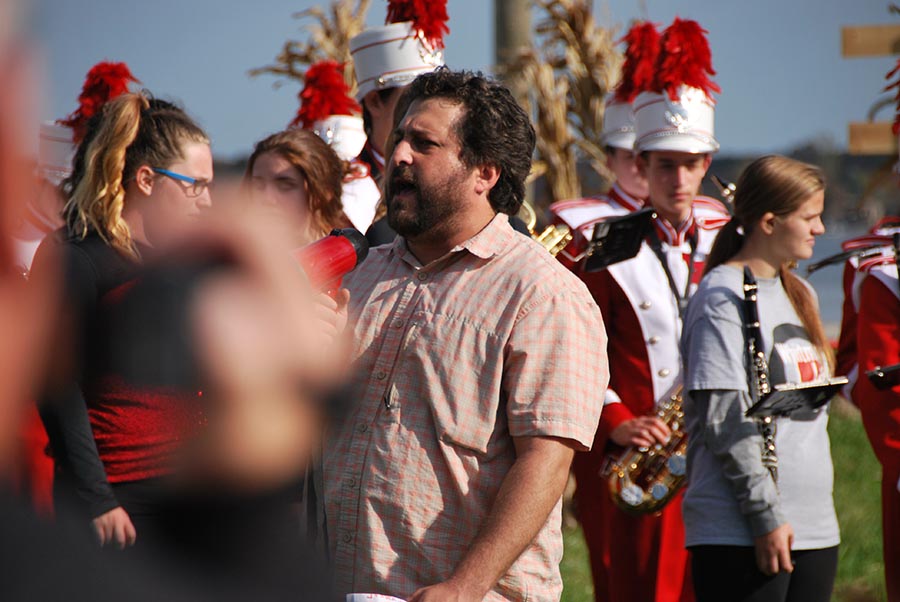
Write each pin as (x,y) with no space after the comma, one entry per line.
(486,177)
(707,161)
(144,179)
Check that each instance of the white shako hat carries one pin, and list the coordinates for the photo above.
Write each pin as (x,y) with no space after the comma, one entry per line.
(344,133)
(55,152)
(641,51)
(618,125)
(678,112)
(410,44)
(327,109)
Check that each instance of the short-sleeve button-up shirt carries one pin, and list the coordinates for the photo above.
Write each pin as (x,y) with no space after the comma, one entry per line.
(454,359)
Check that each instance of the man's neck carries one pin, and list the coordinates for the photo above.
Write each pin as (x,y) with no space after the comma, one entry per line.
(439,241)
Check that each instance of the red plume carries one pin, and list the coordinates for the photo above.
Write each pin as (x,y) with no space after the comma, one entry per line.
(428,16)
(641,52)
(684,59)
(325,94)
(104,82)
(896,85)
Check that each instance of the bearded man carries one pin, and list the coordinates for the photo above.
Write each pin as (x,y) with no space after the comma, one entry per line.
(477,370)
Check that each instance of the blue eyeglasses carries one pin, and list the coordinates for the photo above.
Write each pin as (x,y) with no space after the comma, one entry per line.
(195,186)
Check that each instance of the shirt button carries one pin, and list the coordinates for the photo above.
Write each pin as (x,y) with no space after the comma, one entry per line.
(653,340)
(645,305)
(380,375)
(350,482)
(397,323)
(347,538)
(362,428)
(664,372)
(422,276)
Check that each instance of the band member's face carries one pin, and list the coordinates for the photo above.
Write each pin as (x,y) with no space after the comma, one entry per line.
(794,235)
(174,204)
(426,183)
(622,162)
(275,183)
(674,180)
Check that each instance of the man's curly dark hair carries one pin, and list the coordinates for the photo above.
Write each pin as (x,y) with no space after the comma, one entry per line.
(493,129)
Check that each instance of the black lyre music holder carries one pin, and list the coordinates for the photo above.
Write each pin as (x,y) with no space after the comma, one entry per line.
(786,399)
(618,239)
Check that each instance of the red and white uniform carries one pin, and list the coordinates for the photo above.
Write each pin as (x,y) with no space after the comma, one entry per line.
(645,558)
(581,215)
(878,344)
(852,279)
(359,196)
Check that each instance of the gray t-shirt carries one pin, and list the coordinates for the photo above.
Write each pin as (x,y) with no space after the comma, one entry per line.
(730,497)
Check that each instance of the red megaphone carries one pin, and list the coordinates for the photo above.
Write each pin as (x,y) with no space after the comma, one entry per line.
(328,259)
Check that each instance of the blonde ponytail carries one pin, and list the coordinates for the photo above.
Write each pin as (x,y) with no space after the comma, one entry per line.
(98,199)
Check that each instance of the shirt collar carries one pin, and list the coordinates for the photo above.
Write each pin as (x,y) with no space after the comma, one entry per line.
(490,241)
(675,236)
(623,198)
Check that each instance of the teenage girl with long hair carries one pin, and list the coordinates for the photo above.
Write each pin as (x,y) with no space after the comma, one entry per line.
(750,537)
(299,176)
(141,174)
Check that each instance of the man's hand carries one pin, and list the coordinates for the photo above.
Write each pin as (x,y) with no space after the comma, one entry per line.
(773,551)
(449,591)
(115,526)
(643,431)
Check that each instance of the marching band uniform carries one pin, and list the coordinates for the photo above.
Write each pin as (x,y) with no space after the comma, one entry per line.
(852,278)
(641,300)
(878,336)
(644,328)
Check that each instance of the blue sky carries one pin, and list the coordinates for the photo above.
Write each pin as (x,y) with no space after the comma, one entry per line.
(783,79)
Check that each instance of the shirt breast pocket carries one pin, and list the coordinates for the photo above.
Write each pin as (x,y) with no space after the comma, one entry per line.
(455,367)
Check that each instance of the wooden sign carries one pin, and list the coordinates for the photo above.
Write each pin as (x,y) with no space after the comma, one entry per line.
(872,138)
(870,40)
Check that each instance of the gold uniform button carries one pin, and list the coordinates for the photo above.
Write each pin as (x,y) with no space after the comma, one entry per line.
(645,305)
(653,340)
(664,372)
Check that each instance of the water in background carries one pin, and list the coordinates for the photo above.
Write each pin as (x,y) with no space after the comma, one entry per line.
(827,281)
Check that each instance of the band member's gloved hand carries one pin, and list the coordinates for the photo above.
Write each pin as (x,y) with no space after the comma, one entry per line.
(643,431)
(773,550)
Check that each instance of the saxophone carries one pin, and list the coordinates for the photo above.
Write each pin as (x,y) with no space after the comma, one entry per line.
(759,372)
(643,479)
(554,238)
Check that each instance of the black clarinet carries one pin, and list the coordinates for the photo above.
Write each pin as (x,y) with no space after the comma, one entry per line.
(758,371)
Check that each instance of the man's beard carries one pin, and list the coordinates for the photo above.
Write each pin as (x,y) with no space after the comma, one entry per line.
(432,206)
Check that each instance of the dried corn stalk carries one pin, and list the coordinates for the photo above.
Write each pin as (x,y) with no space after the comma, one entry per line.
(328,38)
(567,74)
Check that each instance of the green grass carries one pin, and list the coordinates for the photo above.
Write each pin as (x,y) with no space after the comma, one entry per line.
(857,498)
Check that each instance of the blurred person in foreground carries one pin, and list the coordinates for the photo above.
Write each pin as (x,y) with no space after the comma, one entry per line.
(260,301)
(480,368)
(759,532)
(141,175)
